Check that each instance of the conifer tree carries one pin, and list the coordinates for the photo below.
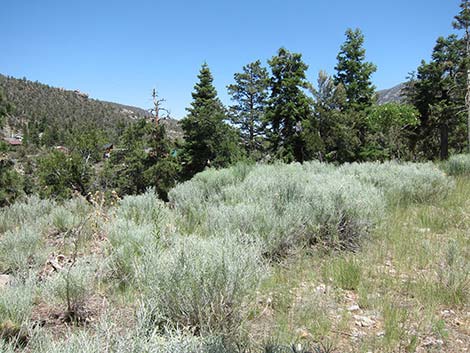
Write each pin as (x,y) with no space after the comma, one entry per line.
(209,141)
(250,92)
(436,92)
(289,108)
(462,22)
(354,73)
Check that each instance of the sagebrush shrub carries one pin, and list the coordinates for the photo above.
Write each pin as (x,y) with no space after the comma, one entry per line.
(458,164)
(198,284)
(22,249)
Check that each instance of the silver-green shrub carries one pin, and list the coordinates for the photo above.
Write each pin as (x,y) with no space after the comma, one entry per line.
(22,249)
(32,210)
(402,182)
(139,223)
(283,205)
(198,284)
(458,164)
(16,302)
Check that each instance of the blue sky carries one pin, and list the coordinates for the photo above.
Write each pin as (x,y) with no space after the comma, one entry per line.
(119,50)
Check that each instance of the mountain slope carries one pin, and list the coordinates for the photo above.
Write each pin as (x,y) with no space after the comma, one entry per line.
(57,106)
(391,95)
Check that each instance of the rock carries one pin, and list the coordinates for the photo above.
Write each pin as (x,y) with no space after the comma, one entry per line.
(354,307)
(431,341)
(363,321)
(4,281)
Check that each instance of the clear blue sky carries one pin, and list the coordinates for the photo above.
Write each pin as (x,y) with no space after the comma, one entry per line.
(119,50)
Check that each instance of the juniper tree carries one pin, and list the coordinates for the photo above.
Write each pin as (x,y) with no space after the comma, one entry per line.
(209,141)
(250,92)
(289,108)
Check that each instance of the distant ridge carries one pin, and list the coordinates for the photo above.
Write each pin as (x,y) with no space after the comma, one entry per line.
(391,95)
(35,100)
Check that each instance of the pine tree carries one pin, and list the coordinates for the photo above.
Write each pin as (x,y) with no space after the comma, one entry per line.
(289,108)
(437,93)
(354,73)
(209,141)
(462,22)
(250,92)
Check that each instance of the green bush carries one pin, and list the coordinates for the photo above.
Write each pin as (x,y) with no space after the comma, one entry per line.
(458,165)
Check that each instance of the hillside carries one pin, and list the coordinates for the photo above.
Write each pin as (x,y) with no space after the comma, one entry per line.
(391,95)
(58,106)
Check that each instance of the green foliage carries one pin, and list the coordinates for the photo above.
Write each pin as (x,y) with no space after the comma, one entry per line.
(143,159)
(61,174)
(11,183)
(281,205)
(389,127)
(458,165)
(5,107)
(208,140)
(354,73)
(250,92)
(16,304)
(339,139)
(289,109)
(346,273)
(438,93)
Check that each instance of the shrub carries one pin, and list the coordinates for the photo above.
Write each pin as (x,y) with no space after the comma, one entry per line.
(458,165)
(142,209)
(72,287)
(284,205)
(21,249)
(199,284)
(16,303)
(32,210)
(402,182)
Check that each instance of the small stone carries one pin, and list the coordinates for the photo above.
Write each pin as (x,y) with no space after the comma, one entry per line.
(364,321)
(354,307)
(431,341)
(4,281)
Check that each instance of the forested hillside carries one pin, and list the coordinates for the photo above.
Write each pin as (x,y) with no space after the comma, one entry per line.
(61,110)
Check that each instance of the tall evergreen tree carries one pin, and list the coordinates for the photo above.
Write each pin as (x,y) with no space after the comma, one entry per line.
(209,141)
(354,73)
(462,22)
(250,92)
(437,93)
(289,108)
